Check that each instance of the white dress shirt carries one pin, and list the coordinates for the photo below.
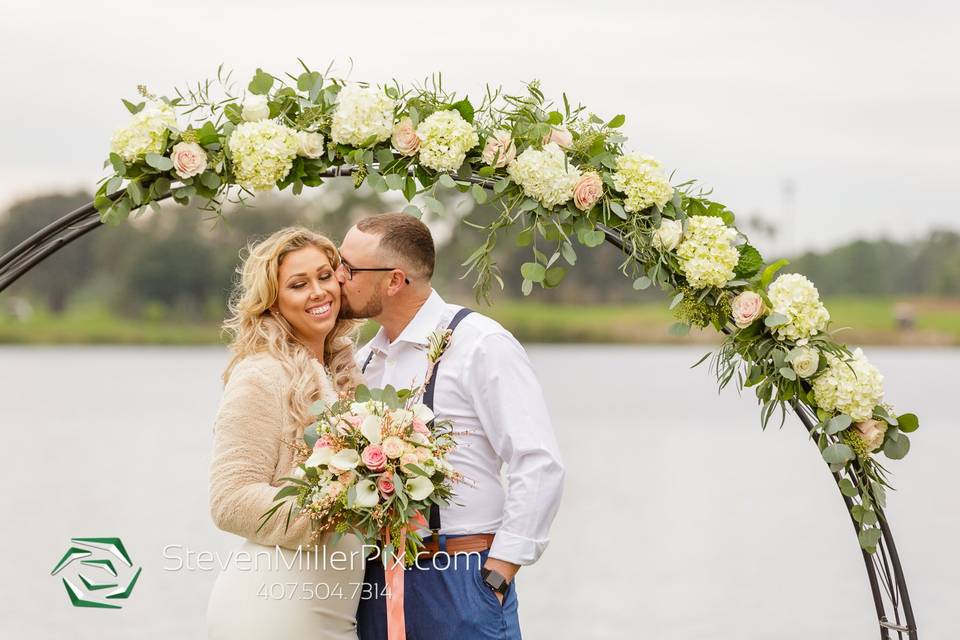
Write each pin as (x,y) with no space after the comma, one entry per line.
(486,387)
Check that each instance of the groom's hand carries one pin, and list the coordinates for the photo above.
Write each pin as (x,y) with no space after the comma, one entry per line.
(507,569)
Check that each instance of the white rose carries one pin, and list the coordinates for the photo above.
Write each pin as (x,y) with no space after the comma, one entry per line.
(319,457)
(345,459)
(667,236)
(189,159)
(805,361)
(418,488)
(310,145)
(367,494)
(255,108)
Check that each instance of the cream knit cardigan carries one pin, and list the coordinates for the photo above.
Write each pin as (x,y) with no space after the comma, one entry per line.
(250,454)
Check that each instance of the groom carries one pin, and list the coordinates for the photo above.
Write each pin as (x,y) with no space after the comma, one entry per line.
(485,385)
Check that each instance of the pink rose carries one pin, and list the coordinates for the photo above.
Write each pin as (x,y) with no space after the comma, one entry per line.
(408,458)
(872,432)
(561,136)
(189,159)
(404,138)
(323,441)
(499,151)
(374,458)
(420,427)
(747,307)
(587,191)
(385,484)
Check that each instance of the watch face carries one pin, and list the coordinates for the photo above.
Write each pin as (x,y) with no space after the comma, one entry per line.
(496,581)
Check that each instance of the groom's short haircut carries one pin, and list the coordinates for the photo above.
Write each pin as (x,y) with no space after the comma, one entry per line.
(405,237)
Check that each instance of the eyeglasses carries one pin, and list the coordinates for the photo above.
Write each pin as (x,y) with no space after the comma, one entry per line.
(350,270)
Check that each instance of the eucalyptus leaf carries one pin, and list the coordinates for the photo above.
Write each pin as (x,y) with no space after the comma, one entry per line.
(838,453)
(896,449)
(160,162)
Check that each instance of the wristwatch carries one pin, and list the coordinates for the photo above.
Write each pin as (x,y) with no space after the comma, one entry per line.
(494,580)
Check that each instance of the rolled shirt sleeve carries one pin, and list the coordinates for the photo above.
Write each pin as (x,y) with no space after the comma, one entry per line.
(509,403)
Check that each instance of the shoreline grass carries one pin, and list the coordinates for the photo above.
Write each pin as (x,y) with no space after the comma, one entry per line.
(870,321)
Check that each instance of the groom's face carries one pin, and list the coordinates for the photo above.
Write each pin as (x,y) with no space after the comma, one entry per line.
(362,295)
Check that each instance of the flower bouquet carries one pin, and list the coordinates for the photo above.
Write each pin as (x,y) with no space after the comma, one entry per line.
(374,468)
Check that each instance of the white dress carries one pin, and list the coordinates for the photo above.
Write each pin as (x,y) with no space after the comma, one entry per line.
(272,587)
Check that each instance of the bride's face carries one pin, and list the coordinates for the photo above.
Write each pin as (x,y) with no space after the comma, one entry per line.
(309,295)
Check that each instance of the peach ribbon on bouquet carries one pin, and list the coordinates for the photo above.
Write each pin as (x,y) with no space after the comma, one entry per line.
(396,624)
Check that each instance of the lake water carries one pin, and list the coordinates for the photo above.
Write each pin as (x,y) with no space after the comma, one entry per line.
(681,519)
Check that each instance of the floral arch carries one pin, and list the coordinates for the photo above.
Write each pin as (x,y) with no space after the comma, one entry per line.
(561,181)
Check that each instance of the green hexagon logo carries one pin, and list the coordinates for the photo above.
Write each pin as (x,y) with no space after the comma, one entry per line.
(95,576)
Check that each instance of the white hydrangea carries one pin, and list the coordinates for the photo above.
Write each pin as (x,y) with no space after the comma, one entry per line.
(262,153)
(794,296)
(707,255)
(852,386)
(641,179)
(145,133)
(545,175)
(445,139)
(362,113)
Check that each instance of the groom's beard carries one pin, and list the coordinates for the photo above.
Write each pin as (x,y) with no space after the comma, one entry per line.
(371,309)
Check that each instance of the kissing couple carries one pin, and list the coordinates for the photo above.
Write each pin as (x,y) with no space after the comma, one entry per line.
(294,315)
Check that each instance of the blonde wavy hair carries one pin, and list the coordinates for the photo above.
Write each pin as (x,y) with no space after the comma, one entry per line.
(253,329)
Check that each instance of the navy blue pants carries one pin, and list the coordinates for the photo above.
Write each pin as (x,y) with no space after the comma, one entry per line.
(442,600)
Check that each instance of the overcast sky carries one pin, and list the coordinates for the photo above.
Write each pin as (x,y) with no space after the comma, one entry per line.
(854,104)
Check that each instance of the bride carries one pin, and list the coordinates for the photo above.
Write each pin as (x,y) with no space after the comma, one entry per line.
(289,349)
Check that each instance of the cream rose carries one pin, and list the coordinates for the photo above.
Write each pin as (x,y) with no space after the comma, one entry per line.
(255,108)
(499,150)
(393,447)
(872,432)
(747,307)
(189,159)
(805,361)
(668,235)
(587,191)
(404,138)
(559,135)
(309,144)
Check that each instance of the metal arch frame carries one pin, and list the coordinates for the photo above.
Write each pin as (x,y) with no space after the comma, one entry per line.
(884,571)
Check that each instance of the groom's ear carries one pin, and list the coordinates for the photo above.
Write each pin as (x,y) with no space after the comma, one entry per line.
(398,280)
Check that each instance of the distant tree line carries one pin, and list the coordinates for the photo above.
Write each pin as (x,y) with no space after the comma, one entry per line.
(181,263)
